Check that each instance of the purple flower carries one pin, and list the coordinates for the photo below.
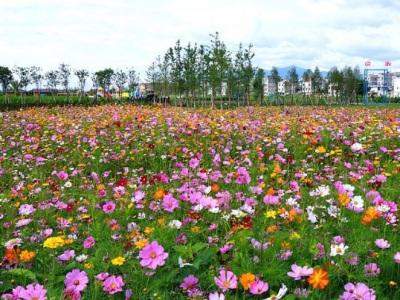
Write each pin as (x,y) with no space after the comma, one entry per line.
(71,293)
(371,270)
(226,248)
(358,291)
(76,279)
(88,242)
(189,283)
(352,259)
(153,255)
(33,291)
(62,175)
(381,243)
(216,296)
(113,284)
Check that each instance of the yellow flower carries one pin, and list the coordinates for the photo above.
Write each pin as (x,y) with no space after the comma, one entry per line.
(195,229)
(271,214)
(320,149)
(88,265)
(141,243)
(118,261)
(26,255)
(54,242)
(295,235)
(344,199)
(148,230)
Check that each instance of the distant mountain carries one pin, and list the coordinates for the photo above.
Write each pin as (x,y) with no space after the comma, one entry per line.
(284,71)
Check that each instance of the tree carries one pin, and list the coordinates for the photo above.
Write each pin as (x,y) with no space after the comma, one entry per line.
(293,79)
(104,78)
(52,79)
(190,71)
(15,86)
(37,79)
(175,59)
(335,81)
(316,81)
(25,78)
(64,74)
(218,64)
(276,78)
(152,77)
(133,80)
(258,85)
(120,78)
(82,76)
(5,78)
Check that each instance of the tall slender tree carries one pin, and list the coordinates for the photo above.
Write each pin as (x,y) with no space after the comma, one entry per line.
(37,79)
(276,78)
(64,73)
(52,79)
(82,76)
(6,77)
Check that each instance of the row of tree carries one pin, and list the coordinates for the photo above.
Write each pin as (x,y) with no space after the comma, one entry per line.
(195,73)
(20,77)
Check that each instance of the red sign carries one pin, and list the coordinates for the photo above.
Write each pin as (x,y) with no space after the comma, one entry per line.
(367,63)
(388,63)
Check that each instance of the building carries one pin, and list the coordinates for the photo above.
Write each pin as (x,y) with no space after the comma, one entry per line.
(269,86)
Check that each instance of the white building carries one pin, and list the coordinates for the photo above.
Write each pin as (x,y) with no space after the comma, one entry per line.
(269,86)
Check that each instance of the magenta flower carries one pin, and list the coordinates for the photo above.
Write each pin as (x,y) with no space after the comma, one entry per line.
(88,242)
(189,283)
(381,243)
(109,207)
(170,203)
(33,292)
(226,280)
(397,257)
(76,279)
(113,284)
(153,255)
(358,291)
(299,272)
(62,175)
(259,287)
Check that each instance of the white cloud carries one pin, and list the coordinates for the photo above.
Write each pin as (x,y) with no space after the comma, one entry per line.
(96,34)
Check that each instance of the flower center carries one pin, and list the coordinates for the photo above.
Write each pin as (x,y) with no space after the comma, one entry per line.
(226,284)
(153,255)
(113,285)
(338,250)
(76,282)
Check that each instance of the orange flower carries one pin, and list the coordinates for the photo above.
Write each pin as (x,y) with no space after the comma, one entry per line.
(12,255)
(344,199)
(247,280)
(318,279)
(215,187)
(26,255)
(159,194)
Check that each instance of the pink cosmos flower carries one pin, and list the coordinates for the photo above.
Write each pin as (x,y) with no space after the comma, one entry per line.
(189,283)
(152,255)
(170,203)
(243,176)
(109,207)
(113,284)
(89,242)
(397,257)
(271,200)
(71,293)
(34,292)
(259,287)
(216,296)
(226,280)
(62,175)
(299,272)
(67,255)
(15,293)
(358,291)
(76,279)
(371,270)
(381,243)
(102,276)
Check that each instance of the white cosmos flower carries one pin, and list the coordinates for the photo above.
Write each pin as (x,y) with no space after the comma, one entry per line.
(175,224)
(338,249)
(356,147)
(281,293)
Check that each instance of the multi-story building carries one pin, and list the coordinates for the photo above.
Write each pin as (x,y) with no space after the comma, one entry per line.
(269,86)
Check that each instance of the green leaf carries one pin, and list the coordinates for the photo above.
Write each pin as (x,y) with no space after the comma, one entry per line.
(22,272)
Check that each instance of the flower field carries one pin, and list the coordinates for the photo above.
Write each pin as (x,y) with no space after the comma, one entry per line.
(140,202)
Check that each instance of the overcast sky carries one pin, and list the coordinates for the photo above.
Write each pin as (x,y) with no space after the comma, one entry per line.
(98,34)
